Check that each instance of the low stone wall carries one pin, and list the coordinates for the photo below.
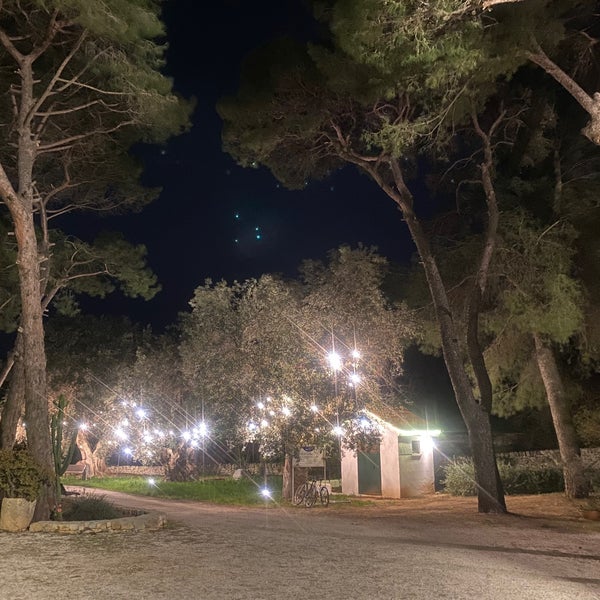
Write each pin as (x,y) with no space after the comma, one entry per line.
(131,470)
(226,470)
(551,458)
(147,521)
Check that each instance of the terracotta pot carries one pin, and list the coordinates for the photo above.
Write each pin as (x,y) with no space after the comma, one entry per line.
(16,514)
(591,514)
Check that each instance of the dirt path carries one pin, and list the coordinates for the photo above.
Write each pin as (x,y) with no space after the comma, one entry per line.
(432,548)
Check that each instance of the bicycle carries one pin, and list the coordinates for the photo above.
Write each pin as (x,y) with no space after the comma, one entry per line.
(308,493)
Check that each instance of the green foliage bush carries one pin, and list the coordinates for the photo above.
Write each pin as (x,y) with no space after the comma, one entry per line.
(90,507)
(459,478)
(20,475)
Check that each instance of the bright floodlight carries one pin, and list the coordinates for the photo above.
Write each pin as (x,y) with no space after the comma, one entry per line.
(260,405)
(203,429)
(335,362)
(354,378)
(314,408)
(186,435)
(83,426)
(286,411)
(151,481)
(355,354)
(141,413)
(265,492)
(127,451)
(338,430)
(264,423)
(120,434)
(427,443)
(147,438)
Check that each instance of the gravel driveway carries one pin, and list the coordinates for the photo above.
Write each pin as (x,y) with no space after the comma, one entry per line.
(390,550)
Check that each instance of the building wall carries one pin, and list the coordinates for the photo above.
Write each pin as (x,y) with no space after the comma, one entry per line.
(416,470)
(403,474)
(390,465)
(349,473)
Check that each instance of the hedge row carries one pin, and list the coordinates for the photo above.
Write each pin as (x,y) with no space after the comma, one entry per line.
(459,478)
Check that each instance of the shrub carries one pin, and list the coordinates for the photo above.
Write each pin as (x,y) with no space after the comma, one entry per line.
(517,479)
(459,478)
(20,474)
(89,507)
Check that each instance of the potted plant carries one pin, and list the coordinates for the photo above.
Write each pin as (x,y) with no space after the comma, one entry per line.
(21,480)
(591,509)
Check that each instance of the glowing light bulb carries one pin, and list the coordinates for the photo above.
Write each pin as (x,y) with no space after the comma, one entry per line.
(335,362)
(120,434)
(266,493)
(260,405)
(314,408)
(338,430)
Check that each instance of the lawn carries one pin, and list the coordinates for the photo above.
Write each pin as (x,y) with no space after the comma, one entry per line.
(218,490)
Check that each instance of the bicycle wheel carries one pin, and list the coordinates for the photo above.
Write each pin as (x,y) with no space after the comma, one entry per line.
(300,494)
(324,494)
(311,496)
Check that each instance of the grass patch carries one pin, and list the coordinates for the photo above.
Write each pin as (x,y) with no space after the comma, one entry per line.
(242,492)
(218,490)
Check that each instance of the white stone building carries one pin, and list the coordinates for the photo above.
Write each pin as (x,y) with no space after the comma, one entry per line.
(401,466)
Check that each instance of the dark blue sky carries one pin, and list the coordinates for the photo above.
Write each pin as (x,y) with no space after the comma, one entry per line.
(190,231)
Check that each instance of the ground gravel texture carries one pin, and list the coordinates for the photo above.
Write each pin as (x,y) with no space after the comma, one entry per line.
(437,547)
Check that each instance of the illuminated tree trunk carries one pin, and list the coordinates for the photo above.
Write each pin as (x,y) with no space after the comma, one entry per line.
(288,466)
(20,203)
(475,411)
(576,483)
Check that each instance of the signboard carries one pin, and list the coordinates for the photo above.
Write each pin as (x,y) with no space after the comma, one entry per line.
(309,456)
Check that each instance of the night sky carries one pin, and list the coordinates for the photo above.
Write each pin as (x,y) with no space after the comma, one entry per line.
(208,202)
(216,220)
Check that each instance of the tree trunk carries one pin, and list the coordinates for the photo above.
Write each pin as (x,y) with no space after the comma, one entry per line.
(476,415)
(20,203)
(576,483)
(34,357)
(288,466)
(87,455)
(490,492)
